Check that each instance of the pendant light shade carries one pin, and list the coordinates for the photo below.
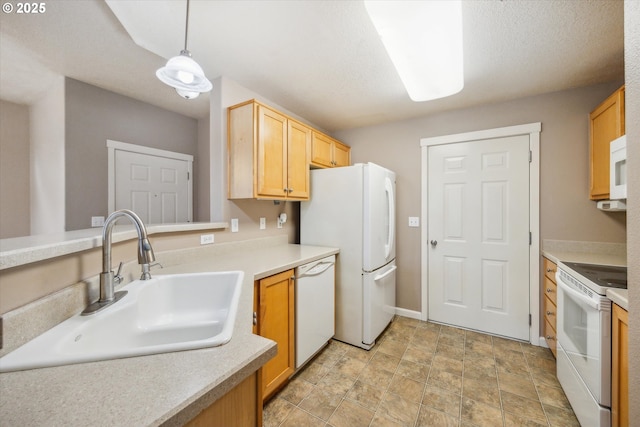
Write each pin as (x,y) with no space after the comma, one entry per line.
(183,73)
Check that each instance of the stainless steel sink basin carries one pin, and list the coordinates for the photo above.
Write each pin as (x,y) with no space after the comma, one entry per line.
(164,314)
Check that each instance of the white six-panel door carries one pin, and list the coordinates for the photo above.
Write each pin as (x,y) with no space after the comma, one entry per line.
(155,184)
(478,232)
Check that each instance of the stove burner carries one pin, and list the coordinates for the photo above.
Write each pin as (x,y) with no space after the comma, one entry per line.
(603,275)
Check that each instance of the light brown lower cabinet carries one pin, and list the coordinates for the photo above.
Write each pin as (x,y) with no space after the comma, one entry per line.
(274,302)
(240,407)
(619,367)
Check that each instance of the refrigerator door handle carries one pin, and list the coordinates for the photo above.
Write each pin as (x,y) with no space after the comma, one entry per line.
(385,274)
(388,187)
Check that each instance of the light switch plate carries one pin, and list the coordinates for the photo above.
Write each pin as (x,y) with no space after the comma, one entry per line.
(263,223)
(97,221)
(206,239)
(234,225)
(414,221)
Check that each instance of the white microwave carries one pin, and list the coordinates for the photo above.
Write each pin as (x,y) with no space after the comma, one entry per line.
(618,169)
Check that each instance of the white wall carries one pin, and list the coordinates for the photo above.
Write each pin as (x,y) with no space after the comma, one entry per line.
(47,147)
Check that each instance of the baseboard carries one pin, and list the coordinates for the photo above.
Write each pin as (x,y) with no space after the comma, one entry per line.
(542,342)
(411,314)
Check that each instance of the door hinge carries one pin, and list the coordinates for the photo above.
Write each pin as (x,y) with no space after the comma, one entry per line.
(188,176)
(530,239)
(530,156)
(529,319)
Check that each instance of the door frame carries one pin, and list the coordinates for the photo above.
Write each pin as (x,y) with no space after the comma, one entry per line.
(533,131)
(112,146)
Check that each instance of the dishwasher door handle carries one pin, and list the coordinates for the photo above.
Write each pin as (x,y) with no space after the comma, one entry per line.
(317,269)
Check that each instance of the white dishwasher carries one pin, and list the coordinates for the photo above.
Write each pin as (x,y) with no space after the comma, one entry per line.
(315,307)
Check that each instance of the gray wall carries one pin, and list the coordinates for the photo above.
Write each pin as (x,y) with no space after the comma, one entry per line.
(632,81)
(565,209)
(93,116)
(14,170)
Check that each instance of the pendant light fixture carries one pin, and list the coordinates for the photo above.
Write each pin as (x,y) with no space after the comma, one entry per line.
(183,73)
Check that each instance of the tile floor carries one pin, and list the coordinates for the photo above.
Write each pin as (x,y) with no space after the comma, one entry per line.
(423,374)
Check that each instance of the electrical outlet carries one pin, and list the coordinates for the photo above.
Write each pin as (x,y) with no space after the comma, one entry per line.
(414,221)
(263,223)
(97,221)
(234,225)
(206,239)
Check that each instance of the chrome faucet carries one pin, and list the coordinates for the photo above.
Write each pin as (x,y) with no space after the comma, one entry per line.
(108,280)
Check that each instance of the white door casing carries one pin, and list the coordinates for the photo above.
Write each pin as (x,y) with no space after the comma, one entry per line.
(156,184)
(482,273)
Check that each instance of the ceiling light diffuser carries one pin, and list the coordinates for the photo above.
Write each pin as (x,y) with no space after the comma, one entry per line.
(183,73)
(424,41)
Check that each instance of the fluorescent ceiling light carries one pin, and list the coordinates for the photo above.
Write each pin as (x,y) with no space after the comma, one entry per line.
(424,41)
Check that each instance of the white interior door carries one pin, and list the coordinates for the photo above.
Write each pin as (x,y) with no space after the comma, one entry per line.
(478,229)
(155,186)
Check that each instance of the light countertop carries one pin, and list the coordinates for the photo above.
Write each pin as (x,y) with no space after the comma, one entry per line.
(619,296)
(164,389)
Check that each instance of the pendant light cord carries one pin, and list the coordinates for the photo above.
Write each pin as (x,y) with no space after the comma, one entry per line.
(186,28)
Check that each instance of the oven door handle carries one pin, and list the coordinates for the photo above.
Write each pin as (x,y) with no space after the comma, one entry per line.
(591,303)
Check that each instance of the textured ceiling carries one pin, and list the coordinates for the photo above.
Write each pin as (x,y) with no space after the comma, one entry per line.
(320,59)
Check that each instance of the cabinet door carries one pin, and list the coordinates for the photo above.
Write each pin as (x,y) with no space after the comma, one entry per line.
(299,142)
(341,154)
(321,147)
(276,322)
(271,158)
(607,124)
(620,367)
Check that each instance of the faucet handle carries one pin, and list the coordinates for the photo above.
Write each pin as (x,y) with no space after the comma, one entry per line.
(117,279)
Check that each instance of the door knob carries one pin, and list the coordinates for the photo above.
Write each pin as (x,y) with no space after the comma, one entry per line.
(434,243)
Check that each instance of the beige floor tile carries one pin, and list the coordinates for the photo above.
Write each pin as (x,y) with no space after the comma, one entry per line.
(442,400)
(448,364)
(321,402)
(366,395)
(429,417)
(426,334)
(452,331)
(297,417)
(379,420)
(484,391)
(337,383)
(553,396)
(406,388)
(509,366)
(349,366)
(450,351)
(384,361)
(478,337)
(480,414)
(418,354)
(445,380)
(313,372)
(360,354)
(536,351)
(398,410)
(376,377)
(542,363)
(544,377)
(415,371)
(393,347)
(478,348)
(276,411)
(559,417)
(503,343)
(527,408)
(350,414)
(512,420)
(296,390)
(517,384)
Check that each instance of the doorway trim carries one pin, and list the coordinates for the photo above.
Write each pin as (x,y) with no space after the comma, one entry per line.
(112,146)
(533,131)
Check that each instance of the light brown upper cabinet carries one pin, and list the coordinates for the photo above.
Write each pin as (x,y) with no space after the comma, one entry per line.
(606,124)
(327,152)
(268,154)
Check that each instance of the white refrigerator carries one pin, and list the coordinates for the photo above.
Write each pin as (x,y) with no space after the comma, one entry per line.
(353,208)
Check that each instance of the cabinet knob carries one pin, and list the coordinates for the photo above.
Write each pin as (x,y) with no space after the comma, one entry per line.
(549,270)
(549,290)
(290,190)
(550,313)
(549,337)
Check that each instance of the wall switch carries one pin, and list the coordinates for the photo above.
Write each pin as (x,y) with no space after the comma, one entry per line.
(414,221)
(263,223)
(206,239)
(97,221)
(234,225)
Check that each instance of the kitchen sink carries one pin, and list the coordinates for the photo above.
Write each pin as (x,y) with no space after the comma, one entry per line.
(164,314)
